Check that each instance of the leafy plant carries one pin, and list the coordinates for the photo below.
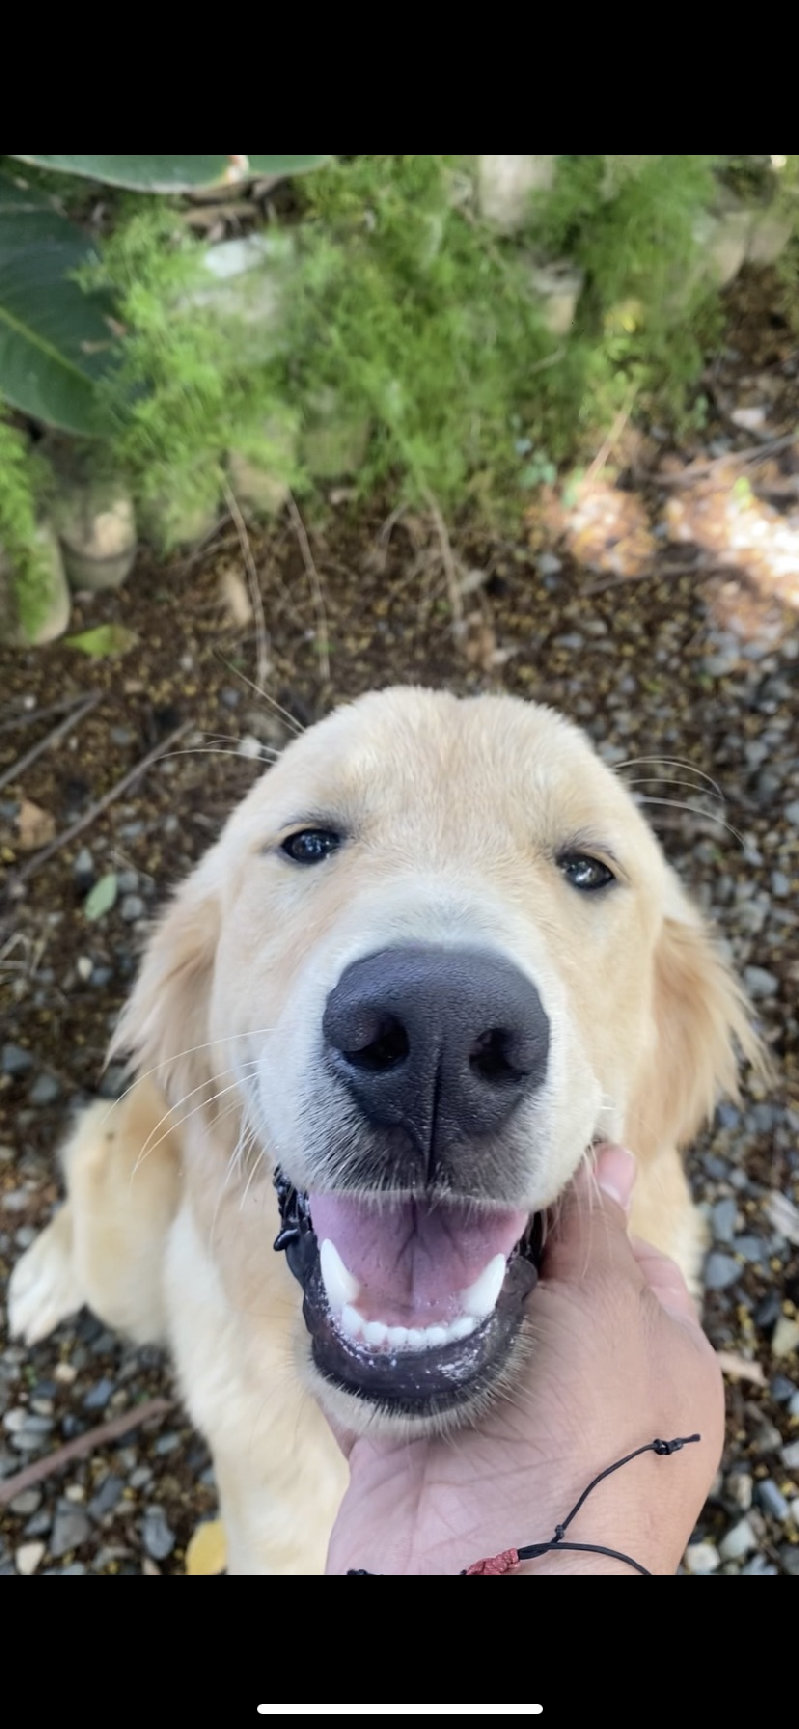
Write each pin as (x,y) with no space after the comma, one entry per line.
(173,173)
(22,482)
(56,341)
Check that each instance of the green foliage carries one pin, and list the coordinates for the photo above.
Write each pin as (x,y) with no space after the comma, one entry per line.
(55,341)
(392,307)
(21,483)
(427,321)
(172,173)
(191,384)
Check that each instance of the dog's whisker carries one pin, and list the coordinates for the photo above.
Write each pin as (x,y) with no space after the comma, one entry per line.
(670,762)
(203,1104)
(178,1056)
(703,815)
(667,780)
(291,720)
(219,750)
(171,1109)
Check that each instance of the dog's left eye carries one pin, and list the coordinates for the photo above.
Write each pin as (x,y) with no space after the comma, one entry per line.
(310,845)
(584,872)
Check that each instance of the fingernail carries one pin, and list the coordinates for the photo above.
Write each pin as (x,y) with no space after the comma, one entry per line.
(615,1175)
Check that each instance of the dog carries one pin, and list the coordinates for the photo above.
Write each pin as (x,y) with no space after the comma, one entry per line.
(435,957)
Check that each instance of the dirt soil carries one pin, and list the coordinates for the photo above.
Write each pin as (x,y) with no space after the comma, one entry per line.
(628,613)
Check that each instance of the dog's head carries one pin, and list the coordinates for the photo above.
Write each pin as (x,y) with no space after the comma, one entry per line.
(435,956)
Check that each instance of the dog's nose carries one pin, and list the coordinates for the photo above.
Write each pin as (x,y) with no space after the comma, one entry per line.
(442,1042)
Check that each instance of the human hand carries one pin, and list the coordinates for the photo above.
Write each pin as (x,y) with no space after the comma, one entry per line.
(616,1357)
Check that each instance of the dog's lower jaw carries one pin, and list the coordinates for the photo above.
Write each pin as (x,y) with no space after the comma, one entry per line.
(351,1416)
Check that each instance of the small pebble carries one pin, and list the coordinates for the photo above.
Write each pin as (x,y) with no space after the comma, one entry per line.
(785,1337)
(791,813)
(772,1500)
(39,1523)
(738,1542)
(83,869)
(789,1556)
(721,1271)
(723,1219)
(156,1536)
(14,1060)
(790,1455)
(739,1490)
(114,1081)
(759,982)
(71,1527)
(45,1090)
(128,882)
(131,908)
(106,1497)
(751,1248)
(98,1396)
(702,1557)
(28,1501)
(28,1556)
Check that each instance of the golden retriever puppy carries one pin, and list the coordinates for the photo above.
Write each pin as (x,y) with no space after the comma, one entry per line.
(435,956)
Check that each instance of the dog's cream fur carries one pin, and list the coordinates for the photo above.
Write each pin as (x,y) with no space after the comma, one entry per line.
(455,813)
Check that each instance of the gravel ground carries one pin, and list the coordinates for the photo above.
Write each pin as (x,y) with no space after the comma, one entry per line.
(650,666)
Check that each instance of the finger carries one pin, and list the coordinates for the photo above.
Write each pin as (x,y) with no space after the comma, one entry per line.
(614,1172)
(591,1229)
(665,1281)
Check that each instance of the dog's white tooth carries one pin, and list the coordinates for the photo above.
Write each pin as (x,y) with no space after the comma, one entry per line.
(351,1322)
(434,1336)
(397,1338)
(375,1332)
(481,1297)
(339,1283)
(416,1339)
(461,1328)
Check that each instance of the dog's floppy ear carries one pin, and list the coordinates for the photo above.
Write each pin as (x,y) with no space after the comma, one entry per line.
(165,1025)
(702,1026)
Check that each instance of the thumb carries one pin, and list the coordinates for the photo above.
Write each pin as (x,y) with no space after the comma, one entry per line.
(591,1228)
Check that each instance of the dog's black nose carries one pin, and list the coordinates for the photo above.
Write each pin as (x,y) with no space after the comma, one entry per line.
(439,1041)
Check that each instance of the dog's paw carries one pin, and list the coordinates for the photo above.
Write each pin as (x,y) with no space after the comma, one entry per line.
(43,1289)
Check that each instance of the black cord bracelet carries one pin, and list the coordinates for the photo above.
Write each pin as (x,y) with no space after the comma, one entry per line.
(510,1558)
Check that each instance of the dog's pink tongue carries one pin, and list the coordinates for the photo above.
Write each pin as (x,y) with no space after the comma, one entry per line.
(411,1260)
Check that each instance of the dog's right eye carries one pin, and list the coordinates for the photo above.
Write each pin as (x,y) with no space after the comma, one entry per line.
(310,845)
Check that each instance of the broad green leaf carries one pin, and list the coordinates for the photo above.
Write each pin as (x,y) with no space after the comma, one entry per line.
(172,173)
(103,642)
(55,341)
(101,897)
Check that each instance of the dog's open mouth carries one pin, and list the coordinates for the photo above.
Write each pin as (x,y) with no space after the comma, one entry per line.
(410,1304)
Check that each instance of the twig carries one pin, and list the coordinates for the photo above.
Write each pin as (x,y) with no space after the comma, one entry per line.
(450,568)
(605,449)
(256,597)
(41,1469)
(100,805)
(316,589)
(750,453)
(28,715)
(19,767)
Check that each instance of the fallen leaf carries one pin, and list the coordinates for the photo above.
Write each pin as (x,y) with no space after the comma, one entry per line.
(207,1551)
(234,597)
(101,897)
(35,827)
(104,642)
(740,1368)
